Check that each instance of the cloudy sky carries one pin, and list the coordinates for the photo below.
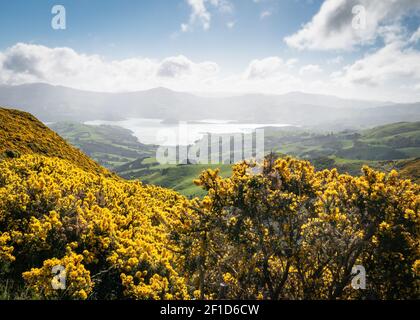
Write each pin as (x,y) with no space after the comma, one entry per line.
(366,49)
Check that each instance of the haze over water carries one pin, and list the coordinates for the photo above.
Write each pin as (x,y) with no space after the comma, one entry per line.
(156,131)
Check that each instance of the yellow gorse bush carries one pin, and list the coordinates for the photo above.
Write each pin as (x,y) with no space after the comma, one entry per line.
(113,237)
(275,230)
(290,232)
(78,283)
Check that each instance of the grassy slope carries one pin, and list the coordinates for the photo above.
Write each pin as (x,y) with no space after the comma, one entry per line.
(111,146)
(390,142)
(350,150)
(21,133)
(177,177)
(390,130)
(411,170)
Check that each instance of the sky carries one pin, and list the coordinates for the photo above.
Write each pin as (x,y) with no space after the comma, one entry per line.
(364,49)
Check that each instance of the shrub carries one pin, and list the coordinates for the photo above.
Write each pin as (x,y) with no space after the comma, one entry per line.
(111,236)
(280,230)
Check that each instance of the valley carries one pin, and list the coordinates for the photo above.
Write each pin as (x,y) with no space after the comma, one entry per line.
(64,204)
(204,154)
(384,148)
(110,146)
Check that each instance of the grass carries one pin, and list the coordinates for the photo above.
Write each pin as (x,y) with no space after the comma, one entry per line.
(177,177)
(9,290)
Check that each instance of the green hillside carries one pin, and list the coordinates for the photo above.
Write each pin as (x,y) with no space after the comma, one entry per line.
(111,146)
(176,177)
(349,150)
(383,148)
(391,130)
(390,142)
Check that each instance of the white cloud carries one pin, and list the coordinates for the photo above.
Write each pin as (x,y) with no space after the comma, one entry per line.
(28,63)
(291,62)
(265,14)
(336,74)
(310,69)
(268,68)
(198,13)
(392,33)
(336,60)
(231,24)
(223,6)
(392,64)
(332,27)
(390,73)
(415,36)
(25,63)
(185,27)
(201,15)
(174,67)
(268,75)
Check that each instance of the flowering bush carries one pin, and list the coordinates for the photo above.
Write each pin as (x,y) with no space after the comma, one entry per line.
(276,230)
(112,236)
(282,230)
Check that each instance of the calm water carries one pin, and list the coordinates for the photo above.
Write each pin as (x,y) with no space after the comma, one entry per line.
(155,131)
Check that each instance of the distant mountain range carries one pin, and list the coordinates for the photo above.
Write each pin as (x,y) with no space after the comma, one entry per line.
(56,103)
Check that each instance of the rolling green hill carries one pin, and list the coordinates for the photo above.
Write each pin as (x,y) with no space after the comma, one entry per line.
(392,130)
(349,150)
(383,148)
(111,146)
(389,142)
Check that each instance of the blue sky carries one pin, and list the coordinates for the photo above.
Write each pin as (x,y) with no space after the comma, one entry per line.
(152,28)
(268,46)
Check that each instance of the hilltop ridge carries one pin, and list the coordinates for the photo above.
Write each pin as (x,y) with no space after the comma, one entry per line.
(21,133)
